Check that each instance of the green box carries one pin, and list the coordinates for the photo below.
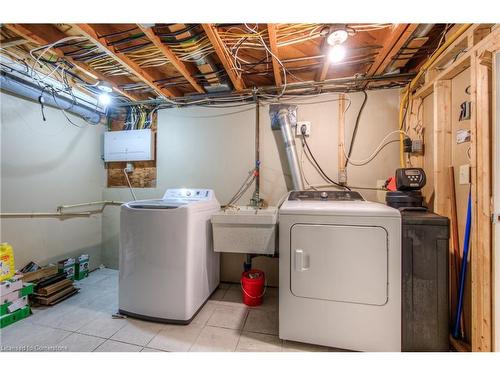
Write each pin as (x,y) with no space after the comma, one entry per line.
(8,319)
(67,266)
(27,289)
(82,267)
(4,307)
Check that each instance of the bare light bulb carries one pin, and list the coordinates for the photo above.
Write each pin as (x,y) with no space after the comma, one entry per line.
(104,99)
(337,37)
(337,53)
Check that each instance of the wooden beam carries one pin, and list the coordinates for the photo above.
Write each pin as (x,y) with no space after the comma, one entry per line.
(12,42)
(442,146)
(130,65)
(323,70)
(221,52)
(27,33)
(391,41)
(172,57)
(271,30)
(490,42)
(404,38)
(481,254)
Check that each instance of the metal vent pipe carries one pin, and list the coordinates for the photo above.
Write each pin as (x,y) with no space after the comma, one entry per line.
(28,90)
(283,118)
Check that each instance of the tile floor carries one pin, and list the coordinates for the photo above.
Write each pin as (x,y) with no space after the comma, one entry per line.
(83,323)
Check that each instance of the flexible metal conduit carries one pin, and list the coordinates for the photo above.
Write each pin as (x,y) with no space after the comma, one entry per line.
(23,88)
(60,211)
(281,119)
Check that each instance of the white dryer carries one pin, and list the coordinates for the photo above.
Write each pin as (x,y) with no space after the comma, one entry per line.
(340,271)
(168,268)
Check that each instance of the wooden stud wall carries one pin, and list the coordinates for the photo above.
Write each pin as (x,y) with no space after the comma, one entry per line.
(481,43)
(481,265)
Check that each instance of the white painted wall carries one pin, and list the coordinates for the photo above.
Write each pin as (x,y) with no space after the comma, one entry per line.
(214,148)
(43,165)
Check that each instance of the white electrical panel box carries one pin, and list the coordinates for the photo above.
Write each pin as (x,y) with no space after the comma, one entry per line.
(129,145)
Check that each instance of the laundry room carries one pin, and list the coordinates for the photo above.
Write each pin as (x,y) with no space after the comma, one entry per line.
(321,187)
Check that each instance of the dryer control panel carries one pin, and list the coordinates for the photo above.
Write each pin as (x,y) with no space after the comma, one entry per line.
(314,195)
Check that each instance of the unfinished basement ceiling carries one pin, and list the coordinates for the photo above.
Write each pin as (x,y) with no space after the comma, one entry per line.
(161,61)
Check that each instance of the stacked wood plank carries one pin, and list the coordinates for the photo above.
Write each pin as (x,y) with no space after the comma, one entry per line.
(51,287)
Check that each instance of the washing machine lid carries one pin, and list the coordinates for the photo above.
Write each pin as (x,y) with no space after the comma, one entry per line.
(176,198)
(157,204)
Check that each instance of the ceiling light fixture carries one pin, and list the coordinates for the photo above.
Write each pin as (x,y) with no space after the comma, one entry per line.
(104,86)
(104,99)
(337,53)
(337,36)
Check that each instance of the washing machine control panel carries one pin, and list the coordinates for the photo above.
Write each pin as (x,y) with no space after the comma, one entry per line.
(314,195)
(190,194)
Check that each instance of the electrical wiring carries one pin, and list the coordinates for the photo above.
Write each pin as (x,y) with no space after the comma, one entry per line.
(356,126)
(275,57)
(129,184)
(319,167)
(379,148)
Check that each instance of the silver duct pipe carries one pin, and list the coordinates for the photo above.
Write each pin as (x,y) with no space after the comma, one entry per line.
(423,29)
(28,90)
(283,117)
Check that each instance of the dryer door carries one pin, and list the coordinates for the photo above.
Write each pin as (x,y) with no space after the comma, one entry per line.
(339,263)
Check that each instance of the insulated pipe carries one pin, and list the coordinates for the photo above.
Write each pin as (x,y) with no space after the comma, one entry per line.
(280,119)
(23,88)
(62,214)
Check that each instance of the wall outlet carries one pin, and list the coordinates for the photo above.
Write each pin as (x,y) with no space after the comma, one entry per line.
(464,176)
(303,125)
(129,168)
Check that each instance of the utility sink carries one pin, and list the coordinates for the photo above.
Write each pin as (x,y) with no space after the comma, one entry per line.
(245,229)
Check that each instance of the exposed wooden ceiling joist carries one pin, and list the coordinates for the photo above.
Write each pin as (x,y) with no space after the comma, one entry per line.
(88,31)
(404,38)
(218,45)
(176,62)
(12,42)
(271,29)
(28,32)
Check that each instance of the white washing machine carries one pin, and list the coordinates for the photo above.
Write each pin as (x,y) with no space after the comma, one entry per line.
(340,271)
(168,268)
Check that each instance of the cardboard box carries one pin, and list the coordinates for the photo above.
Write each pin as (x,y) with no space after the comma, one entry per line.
(9,286)
(11,307)
(82,267)
(27,289)
(67,266)
(8,319)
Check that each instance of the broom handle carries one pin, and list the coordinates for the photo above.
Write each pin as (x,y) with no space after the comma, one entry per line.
(454,234)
